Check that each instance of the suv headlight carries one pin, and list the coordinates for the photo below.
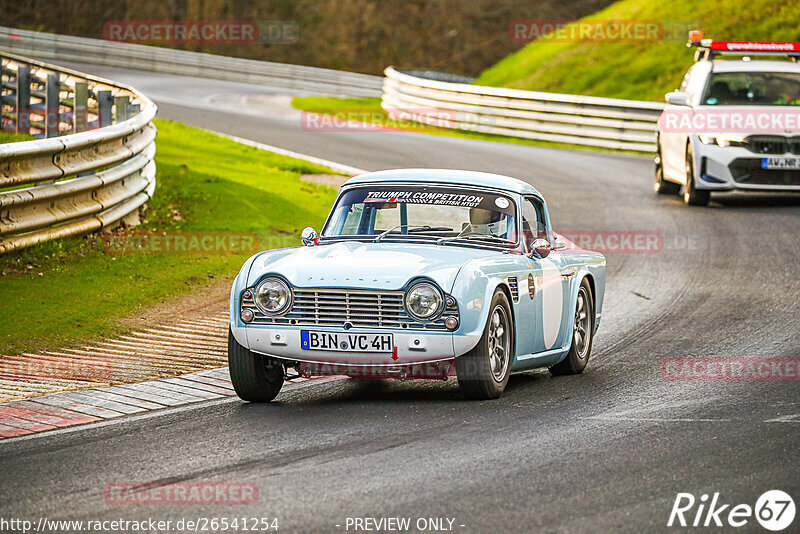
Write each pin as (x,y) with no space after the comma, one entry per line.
(272,296)
(723,140)
(424,301)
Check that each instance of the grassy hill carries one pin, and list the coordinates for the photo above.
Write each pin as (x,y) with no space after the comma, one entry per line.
(642,70)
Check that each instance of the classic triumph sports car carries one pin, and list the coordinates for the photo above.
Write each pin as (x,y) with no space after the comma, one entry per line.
(418,273)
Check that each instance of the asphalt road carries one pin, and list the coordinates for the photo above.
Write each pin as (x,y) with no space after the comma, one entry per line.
(604,451)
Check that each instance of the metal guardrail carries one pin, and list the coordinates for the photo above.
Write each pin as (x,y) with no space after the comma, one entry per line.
(572,119)
(75,179)
(171,61)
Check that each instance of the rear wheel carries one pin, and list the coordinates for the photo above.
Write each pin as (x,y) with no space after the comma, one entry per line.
(691,195)
(255,378)
(483,372)
(582,334)
(662,186)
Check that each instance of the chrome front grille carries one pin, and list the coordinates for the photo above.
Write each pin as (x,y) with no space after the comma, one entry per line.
(335,308)
(360,308)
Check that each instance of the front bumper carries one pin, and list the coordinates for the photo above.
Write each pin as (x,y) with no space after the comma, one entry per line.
(412,347)
(727,168)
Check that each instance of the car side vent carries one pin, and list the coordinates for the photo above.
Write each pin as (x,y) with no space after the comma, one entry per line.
(512,285)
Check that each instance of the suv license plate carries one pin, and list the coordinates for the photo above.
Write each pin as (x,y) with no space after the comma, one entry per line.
(780,163)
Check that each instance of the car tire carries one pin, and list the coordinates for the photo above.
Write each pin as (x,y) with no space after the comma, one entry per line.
(483,372)
(255,378)
(582,334)
(662,186)
(691,195)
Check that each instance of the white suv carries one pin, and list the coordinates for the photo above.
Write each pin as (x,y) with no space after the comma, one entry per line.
(732,124)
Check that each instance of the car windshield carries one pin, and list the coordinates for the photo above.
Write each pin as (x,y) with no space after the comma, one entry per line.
(442,214)
(753,88)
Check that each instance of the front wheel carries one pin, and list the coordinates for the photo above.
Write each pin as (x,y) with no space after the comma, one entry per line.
(255,378)
(691,195)
(582,334)
(483,372)
(662,186)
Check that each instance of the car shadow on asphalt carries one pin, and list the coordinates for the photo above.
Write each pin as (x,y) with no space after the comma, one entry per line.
(743,200)
(353,391)
(382,391)
(756,200)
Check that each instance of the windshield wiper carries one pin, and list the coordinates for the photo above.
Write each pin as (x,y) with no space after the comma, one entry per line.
(489,237)
(430,229)
(412,228)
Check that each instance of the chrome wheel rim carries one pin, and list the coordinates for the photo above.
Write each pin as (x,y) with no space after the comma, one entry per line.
(583,324)
(499,343)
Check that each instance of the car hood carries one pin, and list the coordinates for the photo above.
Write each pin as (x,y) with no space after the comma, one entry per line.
(387,266)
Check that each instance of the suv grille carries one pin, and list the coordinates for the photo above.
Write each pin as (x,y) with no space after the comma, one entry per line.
(749,171)
(773,144)
(361,308)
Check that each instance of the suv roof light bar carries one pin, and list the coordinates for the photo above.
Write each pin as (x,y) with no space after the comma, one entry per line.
(707,48)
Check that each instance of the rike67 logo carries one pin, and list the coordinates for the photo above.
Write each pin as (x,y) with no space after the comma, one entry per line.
(774,510)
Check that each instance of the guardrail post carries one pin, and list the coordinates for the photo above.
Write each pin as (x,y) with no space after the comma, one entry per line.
(23,120)
(52,105)
(104,104)
(121,104)
(80,107)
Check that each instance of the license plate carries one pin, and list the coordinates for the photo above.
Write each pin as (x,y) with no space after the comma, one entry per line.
(342,342)
(780,163)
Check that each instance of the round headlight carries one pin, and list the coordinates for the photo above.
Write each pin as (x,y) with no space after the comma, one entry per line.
(423,301)
(272,296)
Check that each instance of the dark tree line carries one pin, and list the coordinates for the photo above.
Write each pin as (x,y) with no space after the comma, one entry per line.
(462,36)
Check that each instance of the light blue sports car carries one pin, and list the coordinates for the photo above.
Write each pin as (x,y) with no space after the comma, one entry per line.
(418,273)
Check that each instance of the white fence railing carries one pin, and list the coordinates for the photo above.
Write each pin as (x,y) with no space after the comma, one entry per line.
(156,59)
(571,119)
(70,183)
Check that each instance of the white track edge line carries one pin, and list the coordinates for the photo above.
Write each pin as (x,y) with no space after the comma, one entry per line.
(341,167)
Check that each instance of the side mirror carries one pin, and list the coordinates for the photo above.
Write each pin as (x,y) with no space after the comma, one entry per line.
(678,98)
(309,236)
(541,247)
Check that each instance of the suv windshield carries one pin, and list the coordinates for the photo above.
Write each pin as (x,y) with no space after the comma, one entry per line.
(753,88)
(441,214)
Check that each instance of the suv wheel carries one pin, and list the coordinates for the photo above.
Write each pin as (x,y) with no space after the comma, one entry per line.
(692,196)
